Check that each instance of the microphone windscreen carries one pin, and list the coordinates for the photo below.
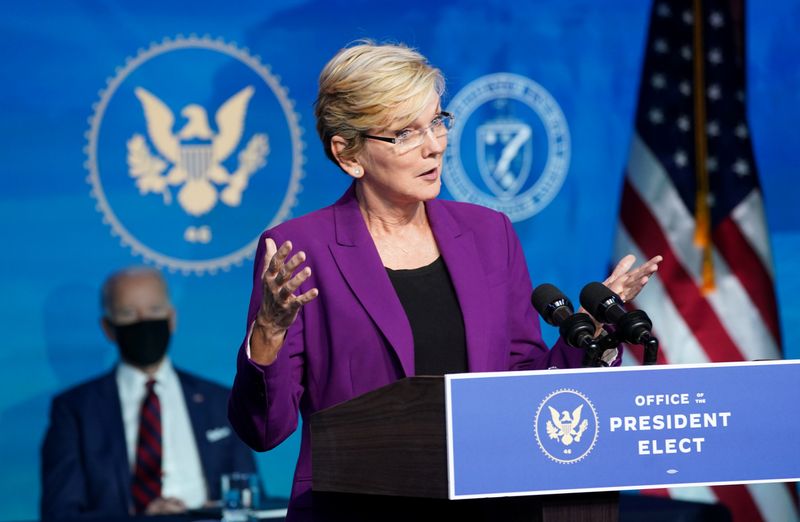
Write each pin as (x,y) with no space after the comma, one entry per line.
(593,296)
(543,295)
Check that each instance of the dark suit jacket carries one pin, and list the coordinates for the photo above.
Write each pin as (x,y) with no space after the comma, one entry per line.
(355,337)
(85,469)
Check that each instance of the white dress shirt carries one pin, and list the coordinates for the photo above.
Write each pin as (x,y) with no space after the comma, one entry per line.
(182,472)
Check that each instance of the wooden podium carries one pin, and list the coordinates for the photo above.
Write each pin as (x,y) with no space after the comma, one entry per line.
(386,450)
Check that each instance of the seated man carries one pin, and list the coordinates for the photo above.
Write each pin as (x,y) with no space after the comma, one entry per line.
(145,438)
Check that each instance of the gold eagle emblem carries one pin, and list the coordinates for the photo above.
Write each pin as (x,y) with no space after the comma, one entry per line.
(195,153)
(566,427)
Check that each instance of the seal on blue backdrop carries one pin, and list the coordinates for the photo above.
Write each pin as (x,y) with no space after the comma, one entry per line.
(509,148)
(193,145)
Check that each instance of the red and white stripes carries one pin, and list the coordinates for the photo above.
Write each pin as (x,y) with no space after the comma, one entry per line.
(736,321)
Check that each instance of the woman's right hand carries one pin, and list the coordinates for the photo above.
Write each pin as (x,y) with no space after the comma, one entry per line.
(279,306)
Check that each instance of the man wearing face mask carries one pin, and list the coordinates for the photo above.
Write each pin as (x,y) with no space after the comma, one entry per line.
(145,438)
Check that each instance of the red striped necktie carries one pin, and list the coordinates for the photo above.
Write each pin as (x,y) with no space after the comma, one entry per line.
(146,483)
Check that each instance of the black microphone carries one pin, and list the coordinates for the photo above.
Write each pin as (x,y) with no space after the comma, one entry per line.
(633,327)
(576,329)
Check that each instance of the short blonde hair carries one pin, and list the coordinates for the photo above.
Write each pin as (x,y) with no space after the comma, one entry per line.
(369,86)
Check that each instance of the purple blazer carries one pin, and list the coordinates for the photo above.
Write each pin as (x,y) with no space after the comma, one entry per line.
(355,337)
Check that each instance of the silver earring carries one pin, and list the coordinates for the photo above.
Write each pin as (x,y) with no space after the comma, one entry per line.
(357,171)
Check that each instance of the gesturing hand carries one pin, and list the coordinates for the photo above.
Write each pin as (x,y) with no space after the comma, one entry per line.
(627,283)
(279,305)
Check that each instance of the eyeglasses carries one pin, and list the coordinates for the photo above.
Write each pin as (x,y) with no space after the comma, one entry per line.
(407,140)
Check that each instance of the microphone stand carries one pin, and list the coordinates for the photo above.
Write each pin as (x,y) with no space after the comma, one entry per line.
(577,330)
(599,345)
(650,350)
(591,354)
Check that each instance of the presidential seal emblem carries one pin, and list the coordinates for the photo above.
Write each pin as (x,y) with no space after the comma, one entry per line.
(509,148)
(566,426)
(192,147)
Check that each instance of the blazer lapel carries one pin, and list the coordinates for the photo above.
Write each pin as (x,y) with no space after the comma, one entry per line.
(361,265)
(460,254)
(110,416)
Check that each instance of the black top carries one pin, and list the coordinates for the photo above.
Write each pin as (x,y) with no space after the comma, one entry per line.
(429,299)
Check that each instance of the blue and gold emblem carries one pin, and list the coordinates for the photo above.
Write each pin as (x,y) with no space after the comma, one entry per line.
(566,426)
(193,147)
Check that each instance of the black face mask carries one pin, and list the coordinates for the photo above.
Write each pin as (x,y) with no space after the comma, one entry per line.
(143,343)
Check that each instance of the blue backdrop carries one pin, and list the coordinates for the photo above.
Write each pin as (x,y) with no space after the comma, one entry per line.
(82,195)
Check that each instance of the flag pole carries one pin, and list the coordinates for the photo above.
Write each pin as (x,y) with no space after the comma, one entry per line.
(702,234)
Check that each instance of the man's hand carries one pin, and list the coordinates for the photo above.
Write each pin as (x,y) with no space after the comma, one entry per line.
(165,506)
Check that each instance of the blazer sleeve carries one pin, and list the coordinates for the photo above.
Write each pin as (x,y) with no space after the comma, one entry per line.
(528,350)
(264,402)
(64,493)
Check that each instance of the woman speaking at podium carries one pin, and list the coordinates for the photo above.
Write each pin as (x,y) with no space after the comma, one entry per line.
(387,282)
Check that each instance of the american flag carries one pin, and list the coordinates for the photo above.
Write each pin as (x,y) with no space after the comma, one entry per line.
(691,193)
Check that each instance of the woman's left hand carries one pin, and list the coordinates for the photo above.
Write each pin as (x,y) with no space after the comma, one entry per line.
(627,283)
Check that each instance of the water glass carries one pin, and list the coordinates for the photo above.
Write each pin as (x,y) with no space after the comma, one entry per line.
(240,495)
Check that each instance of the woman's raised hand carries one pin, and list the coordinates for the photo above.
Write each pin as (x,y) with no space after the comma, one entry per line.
(627,281)
(279,304)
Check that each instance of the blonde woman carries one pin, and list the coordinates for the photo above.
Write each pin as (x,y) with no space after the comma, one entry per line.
(403,284)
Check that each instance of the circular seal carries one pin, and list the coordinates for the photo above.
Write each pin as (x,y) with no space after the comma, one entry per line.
(192,147)
(566,426)
(515,128)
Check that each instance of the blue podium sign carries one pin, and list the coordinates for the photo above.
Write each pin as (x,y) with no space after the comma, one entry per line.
(559,431)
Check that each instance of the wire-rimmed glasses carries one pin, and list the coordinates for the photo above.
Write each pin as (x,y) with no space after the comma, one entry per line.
(411,139)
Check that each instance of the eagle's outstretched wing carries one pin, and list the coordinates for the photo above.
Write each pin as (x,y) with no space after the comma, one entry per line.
(576,415)
(159,124)
(230,124)
(555,417)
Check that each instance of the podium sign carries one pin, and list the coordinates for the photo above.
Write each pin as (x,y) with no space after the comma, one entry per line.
(559,431)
